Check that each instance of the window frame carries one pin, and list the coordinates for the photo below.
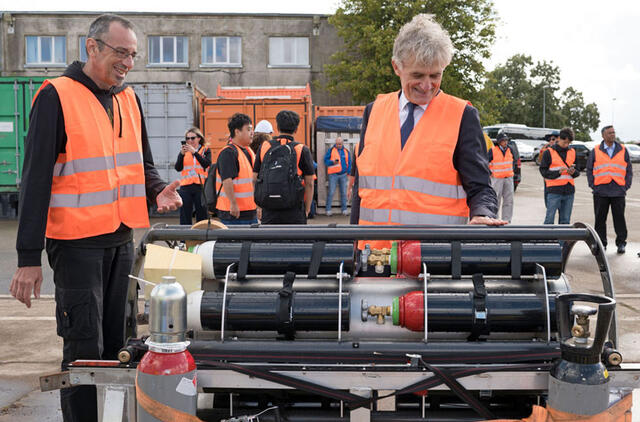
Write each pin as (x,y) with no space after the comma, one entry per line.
(81,48)
(174,63)
(214,39)
(40,63)
(290,65)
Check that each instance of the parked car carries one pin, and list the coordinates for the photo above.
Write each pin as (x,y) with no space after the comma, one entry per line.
(526,150)
(517,164)
(634,152)
(582,154)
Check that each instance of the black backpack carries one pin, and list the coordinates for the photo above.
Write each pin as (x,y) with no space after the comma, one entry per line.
(209,193)
(278,185)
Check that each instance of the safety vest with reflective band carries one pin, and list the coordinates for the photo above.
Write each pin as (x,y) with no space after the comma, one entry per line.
(557,164)
(242,185)
(417,184)
(98,182)
(283,141)
(192,171)
(606,169)
(335,155)
(501,165)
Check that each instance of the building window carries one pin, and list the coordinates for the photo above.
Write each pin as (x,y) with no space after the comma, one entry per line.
(168,51)
(289,52)
(221,51)
(82,50)
(46,51)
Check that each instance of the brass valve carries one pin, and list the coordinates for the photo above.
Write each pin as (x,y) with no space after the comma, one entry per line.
(379,257)
(379,312)
(580,331)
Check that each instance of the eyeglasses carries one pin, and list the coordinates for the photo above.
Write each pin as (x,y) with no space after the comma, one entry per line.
(190,138)
(121,53)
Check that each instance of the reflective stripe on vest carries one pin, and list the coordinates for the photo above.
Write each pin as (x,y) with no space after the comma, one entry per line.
(607,169)
(418,183)
(192,172)
(557,164)
(335,155)
(501,165)
(98,182)
(242,184)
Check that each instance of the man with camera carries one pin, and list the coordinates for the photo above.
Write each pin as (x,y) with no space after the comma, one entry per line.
(558,169)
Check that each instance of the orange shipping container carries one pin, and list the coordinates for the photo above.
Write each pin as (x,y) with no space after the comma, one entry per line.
(355,111)
(217,111)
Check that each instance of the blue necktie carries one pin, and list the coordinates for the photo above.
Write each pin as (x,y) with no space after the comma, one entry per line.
(407,126)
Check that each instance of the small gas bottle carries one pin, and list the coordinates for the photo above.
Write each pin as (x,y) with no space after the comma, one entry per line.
(166,375)
(578,381)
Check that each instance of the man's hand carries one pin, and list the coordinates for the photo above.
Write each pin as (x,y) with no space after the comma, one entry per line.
(571,170)
(234,211)
(168,199)
(259,213)
(24,281)
(481,219)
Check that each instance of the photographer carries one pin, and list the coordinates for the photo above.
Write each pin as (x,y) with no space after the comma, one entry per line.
(192,163)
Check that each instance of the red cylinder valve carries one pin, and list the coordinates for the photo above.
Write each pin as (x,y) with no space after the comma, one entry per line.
(409,258)
(408,311)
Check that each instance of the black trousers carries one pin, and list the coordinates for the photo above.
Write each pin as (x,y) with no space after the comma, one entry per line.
(91,295)
(191,198)
(288,216)
(601,206)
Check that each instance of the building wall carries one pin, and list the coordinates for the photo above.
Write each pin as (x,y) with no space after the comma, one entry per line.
(254,31)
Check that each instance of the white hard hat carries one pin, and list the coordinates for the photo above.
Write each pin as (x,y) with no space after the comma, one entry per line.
(263,126)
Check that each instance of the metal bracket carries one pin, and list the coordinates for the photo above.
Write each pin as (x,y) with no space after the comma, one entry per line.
(340,301)
(425,277)
(55,381)
(540,270)
(224,300)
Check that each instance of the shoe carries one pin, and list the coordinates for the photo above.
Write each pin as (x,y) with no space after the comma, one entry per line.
(621,249)
(345,212)
(329,214)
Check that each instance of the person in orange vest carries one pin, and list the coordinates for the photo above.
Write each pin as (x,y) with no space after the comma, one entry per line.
(287,122)
(338,163)
(234,178)
(88,174)
(193,161)
(422,157)
(609,174)
(552,138)
(558,169)
(501,165)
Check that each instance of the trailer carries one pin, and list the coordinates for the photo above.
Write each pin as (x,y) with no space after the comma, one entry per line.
(296,323)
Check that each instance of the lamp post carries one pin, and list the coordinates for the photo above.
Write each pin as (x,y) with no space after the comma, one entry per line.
(613,108)
(544,106)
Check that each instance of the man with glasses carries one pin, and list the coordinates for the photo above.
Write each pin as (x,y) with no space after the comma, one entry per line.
(88,174)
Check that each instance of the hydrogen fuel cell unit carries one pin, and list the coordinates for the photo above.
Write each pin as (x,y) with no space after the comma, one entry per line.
(295,323)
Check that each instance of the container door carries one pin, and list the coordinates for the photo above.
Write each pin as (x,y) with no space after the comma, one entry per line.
(168,111)
(14,114)
(216,116)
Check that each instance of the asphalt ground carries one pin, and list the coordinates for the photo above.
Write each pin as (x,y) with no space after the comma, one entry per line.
(30,347)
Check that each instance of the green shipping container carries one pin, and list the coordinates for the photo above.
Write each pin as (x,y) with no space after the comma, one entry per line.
(16,94)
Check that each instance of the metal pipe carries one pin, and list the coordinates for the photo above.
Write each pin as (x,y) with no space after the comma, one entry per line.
(354,232)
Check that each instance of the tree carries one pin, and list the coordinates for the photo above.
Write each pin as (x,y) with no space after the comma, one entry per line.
(584,119)
(369,28)
(520,92)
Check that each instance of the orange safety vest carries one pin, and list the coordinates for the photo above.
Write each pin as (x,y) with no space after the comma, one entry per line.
(417,184)
(98,182)
(242,185)
(192,172)
(557,164)
(335,155)
(283,141)
(606,169)
(501,165)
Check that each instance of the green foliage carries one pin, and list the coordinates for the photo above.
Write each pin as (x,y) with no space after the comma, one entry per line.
(369,27)
(518,91)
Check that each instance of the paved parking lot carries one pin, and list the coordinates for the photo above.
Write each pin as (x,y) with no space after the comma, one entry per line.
(31,348)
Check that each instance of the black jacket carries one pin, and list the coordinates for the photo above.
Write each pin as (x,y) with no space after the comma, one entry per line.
(469,159)
(545,163)
(611,189)
(45,140)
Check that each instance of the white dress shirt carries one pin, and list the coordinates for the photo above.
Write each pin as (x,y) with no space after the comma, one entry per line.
(403,106)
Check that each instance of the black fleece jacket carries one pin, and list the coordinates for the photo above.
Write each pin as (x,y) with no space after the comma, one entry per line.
(45,140)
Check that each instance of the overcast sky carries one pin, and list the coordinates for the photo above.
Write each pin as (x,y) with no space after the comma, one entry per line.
(594,43)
